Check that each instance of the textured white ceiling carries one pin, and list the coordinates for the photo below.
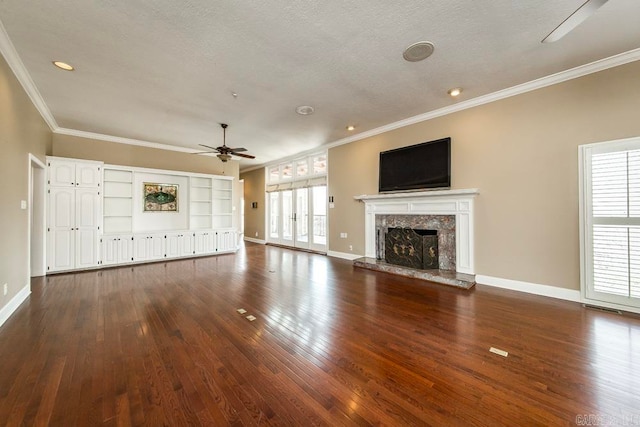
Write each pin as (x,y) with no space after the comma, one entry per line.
(163,70)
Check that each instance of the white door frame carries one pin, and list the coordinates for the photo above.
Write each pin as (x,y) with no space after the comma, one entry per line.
(36,265)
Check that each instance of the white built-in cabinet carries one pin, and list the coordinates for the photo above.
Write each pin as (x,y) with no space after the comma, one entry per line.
(92,211)
(74,214)
(117,249)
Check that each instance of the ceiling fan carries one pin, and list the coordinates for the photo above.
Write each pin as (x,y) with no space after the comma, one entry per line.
(587,9)
(224,152)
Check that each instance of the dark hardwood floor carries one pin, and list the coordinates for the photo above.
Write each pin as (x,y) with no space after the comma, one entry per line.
(163,344)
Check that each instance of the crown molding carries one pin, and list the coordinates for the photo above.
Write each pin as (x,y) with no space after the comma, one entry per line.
(562,76)
(17,66)
(20,71)
(121,140)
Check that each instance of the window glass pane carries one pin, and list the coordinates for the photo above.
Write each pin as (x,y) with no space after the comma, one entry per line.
(302,167)
(287,171)
(320,164)
(319,215)
(273,209)
(274,174)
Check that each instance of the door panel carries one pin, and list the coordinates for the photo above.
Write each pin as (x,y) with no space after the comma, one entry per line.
(286,236)
(301,218)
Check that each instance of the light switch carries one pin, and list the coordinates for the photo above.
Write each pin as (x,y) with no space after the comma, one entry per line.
(23,204)
(331,206)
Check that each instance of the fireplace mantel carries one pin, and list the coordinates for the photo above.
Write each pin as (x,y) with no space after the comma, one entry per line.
(437,202)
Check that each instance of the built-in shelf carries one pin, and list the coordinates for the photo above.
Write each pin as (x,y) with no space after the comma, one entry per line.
(118,201)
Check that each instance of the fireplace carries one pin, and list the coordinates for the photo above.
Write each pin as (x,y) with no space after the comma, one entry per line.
(449,212)
(411,248)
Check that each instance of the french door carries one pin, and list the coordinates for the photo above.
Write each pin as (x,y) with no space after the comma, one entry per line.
(297,218)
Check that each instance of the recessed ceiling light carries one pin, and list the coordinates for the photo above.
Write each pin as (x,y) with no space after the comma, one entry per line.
(455,91)
(350,127)
(63,65)
(418,51)
(304,110)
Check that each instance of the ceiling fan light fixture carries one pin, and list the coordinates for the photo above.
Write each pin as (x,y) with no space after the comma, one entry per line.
(418,51)
(587,9)
(224,157)
(304,110)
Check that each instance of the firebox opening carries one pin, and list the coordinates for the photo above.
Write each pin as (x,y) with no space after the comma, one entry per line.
(415,248)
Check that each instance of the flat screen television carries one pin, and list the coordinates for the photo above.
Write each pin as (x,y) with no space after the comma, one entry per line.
(420,166)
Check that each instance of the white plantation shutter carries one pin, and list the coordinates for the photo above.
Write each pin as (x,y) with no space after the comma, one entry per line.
(612,221)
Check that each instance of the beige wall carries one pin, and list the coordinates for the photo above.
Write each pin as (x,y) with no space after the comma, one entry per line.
(22,131)
(522,154)
(254,219)
(138,156)
(144,157)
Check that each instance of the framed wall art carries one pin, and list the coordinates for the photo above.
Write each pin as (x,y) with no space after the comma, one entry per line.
(160,197)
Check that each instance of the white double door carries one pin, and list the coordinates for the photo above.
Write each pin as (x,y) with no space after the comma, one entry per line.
(298,218)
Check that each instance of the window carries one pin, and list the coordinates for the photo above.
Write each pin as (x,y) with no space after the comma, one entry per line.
(610,200)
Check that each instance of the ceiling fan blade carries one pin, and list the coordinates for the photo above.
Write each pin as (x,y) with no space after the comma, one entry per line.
(587,9)
(205,152)
(212,148)
(235,150)
(246,156)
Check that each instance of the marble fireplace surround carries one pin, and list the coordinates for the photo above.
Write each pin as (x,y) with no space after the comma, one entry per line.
(458,203)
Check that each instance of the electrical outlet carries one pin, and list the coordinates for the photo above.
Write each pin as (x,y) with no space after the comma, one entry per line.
(351,248)
(5,289)
(343,235)
(256,234)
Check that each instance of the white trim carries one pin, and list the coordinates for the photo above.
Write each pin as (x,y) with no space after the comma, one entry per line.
(414,194)
(31,161)
(258,241)
(439,202)
(17,66)
(549,291)
(121,140)
(343,255)
(560,77)
(20,71)
(15,302)
(530,288)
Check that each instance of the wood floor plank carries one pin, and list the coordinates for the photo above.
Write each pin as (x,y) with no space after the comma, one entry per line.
(162,344)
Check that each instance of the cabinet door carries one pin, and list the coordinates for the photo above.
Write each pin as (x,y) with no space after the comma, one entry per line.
(125,249)
(87,175)
(62,173)
(109,250)
(203,242)
(141,247)
(186,244)
(172,245)
(60,232)
(156,248)
(87,218)
(224,241)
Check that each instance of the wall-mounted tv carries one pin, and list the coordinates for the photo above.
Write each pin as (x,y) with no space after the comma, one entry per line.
(420,166)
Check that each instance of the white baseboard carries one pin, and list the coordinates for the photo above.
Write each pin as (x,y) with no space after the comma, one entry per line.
(13,305)
(252,240)
(343,255)
(531,288)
